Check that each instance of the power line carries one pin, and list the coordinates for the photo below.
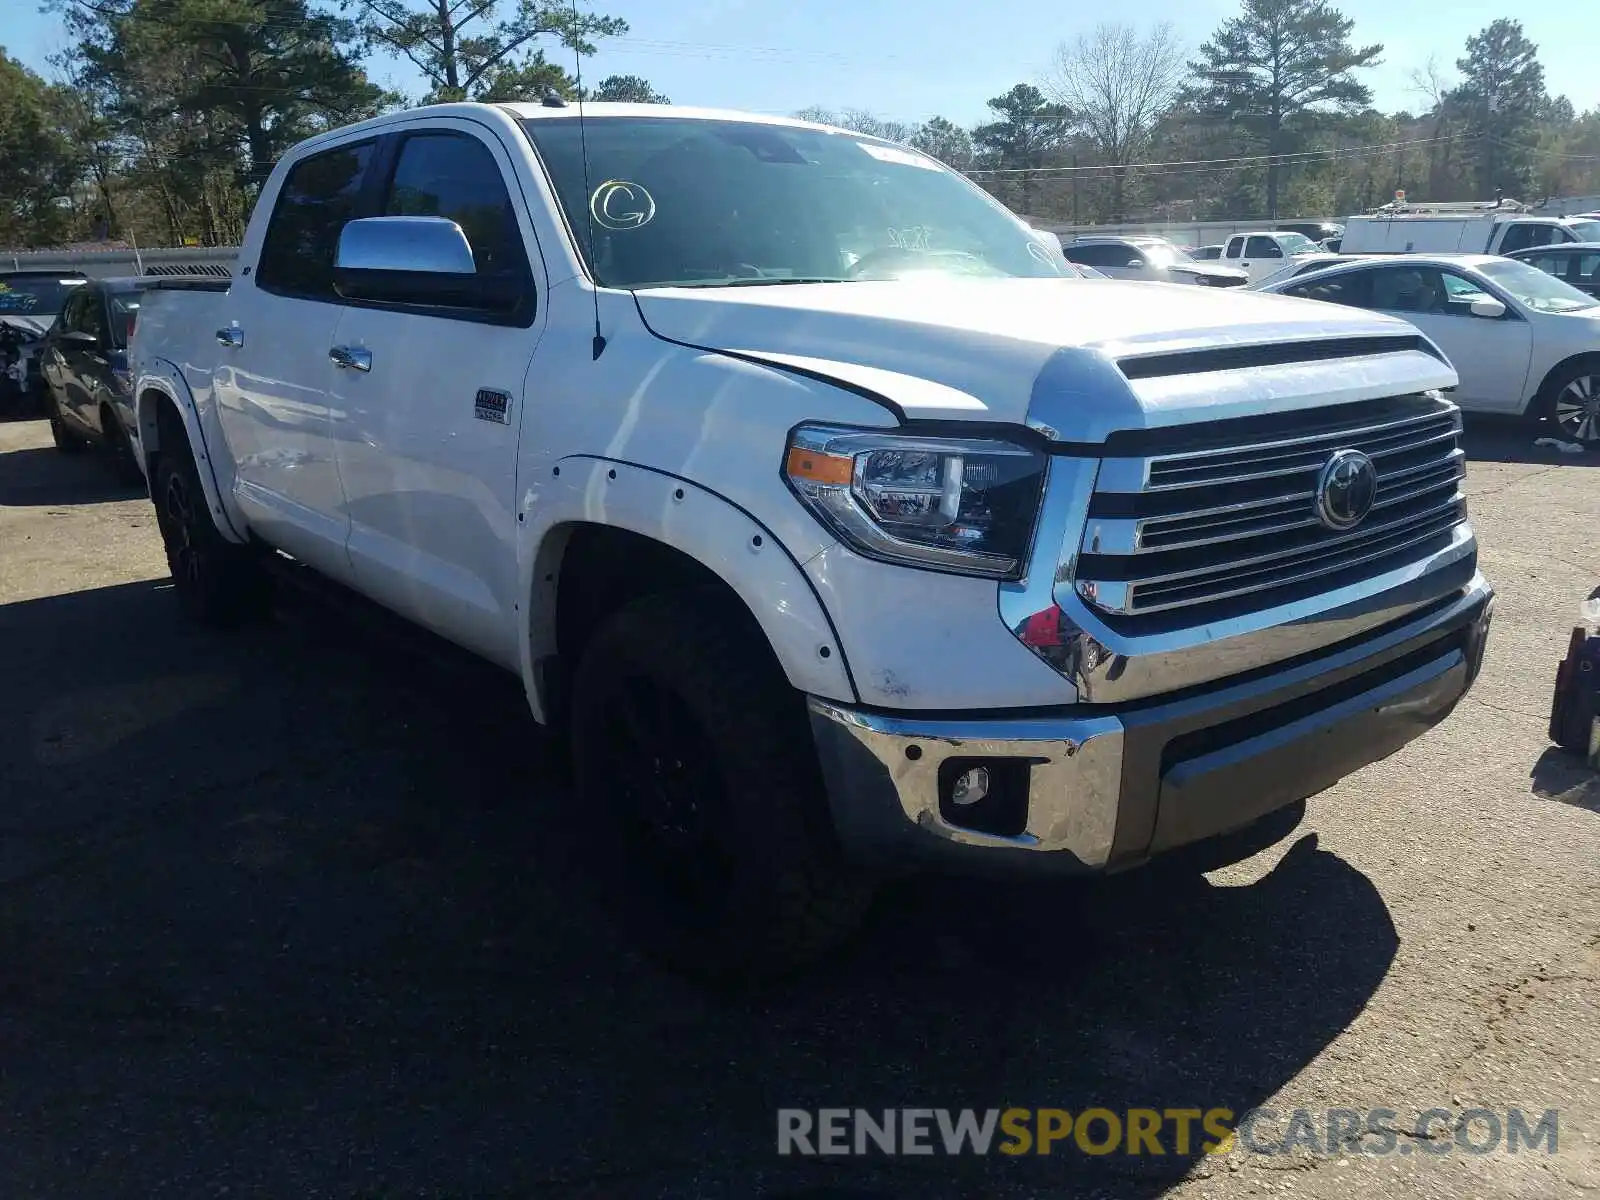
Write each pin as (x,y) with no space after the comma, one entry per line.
(1286,157)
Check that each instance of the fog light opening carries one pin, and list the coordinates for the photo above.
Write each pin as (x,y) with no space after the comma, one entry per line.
(971,786)
(988,795)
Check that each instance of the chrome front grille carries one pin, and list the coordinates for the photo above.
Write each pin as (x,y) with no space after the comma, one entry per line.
(1227,521)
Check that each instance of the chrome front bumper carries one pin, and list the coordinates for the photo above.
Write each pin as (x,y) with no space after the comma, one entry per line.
(1109,786)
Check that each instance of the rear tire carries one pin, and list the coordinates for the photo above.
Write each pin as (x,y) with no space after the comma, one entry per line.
(1572,404)
(65,439)
(120,446)
(219,583)
(694,759)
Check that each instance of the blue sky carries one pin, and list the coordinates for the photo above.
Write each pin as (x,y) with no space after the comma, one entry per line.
(943,56)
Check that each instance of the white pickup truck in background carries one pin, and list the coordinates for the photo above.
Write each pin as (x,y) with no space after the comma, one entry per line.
(1484,231)
(837,526)
(1267,252)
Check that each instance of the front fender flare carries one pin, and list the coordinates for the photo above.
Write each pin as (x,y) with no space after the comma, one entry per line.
(730,542)
(167,381)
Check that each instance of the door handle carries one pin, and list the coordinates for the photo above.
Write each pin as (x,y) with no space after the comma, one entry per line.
(232,337)
(355,357)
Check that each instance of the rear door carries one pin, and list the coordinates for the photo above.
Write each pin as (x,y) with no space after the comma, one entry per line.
(97,366)
(122,308)
(81,363)
(427,444)
(273,374)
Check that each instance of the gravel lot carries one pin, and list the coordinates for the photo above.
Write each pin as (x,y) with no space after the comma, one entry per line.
(296,912)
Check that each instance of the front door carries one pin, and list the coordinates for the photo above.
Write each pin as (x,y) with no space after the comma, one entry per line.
(427,408)
(273,375)
(1262,257)
(1490,355)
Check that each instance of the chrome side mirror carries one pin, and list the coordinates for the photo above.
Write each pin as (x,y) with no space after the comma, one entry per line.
(416,245)
(1488,307)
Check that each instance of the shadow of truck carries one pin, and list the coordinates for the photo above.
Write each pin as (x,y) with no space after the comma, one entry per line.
(303,908)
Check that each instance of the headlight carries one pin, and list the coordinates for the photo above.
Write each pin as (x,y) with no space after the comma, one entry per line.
(964,505)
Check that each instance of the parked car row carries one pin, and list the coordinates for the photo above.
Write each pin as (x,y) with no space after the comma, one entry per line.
(30,302)
(1148,258)
(84,365)
(1522,339)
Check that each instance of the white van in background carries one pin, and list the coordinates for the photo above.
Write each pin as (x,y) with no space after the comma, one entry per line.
(1462,229)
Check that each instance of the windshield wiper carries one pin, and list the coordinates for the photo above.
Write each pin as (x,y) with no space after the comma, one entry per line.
(765,281)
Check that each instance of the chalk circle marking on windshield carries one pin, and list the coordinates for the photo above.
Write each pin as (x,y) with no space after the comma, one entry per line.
(1039,254)
(621,204)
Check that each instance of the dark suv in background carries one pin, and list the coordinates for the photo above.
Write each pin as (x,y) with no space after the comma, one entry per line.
(84,362)
(30,301)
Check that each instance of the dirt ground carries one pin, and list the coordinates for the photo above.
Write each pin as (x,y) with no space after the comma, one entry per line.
(298,912)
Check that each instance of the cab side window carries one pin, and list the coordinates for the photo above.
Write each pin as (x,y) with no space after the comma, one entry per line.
(1409,290)
(317,198)
(455,176)
(72,313)
(1235,245)
(94,315)
(1100,254)
(1353,288)
(1263,247)
(1527,233)
(1550,264)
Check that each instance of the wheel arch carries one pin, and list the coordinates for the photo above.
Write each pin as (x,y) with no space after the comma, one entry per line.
(1542,394)
(164,411)
(612,532)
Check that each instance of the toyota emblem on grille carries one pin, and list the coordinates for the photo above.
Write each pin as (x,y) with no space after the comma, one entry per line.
(1346,489)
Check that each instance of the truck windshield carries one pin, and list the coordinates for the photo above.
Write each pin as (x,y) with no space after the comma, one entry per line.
(1534,288)
(1585,231)
(680,202)
(34,295)
(1297,243)
(1165,254)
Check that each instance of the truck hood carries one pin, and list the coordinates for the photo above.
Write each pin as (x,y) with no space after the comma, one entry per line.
(32,327)
(1077,359)
(1210,270)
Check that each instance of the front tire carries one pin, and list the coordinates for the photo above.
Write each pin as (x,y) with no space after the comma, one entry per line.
(694,757)
(219,583)
(1572,404)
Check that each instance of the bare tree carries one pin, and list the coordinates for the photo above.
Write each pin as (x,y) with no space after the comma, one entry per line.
(1434,86)
(1118,83)
(860,121)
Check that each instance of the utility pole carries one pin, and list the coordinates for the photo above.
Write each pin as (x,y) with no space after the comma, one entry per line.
(1075,220)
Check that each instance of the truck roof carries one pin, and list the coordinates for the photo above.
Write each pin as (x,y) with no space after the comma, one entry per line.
(523,110)
(1506,216)
(1420,258)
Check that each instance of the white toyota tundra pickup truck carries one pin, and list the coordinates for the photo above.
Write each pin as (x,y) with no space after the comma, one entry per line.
(836,526)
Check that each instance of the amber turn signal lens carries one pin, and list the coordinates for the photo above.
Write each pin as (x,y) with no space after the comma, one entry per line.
(820,468)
